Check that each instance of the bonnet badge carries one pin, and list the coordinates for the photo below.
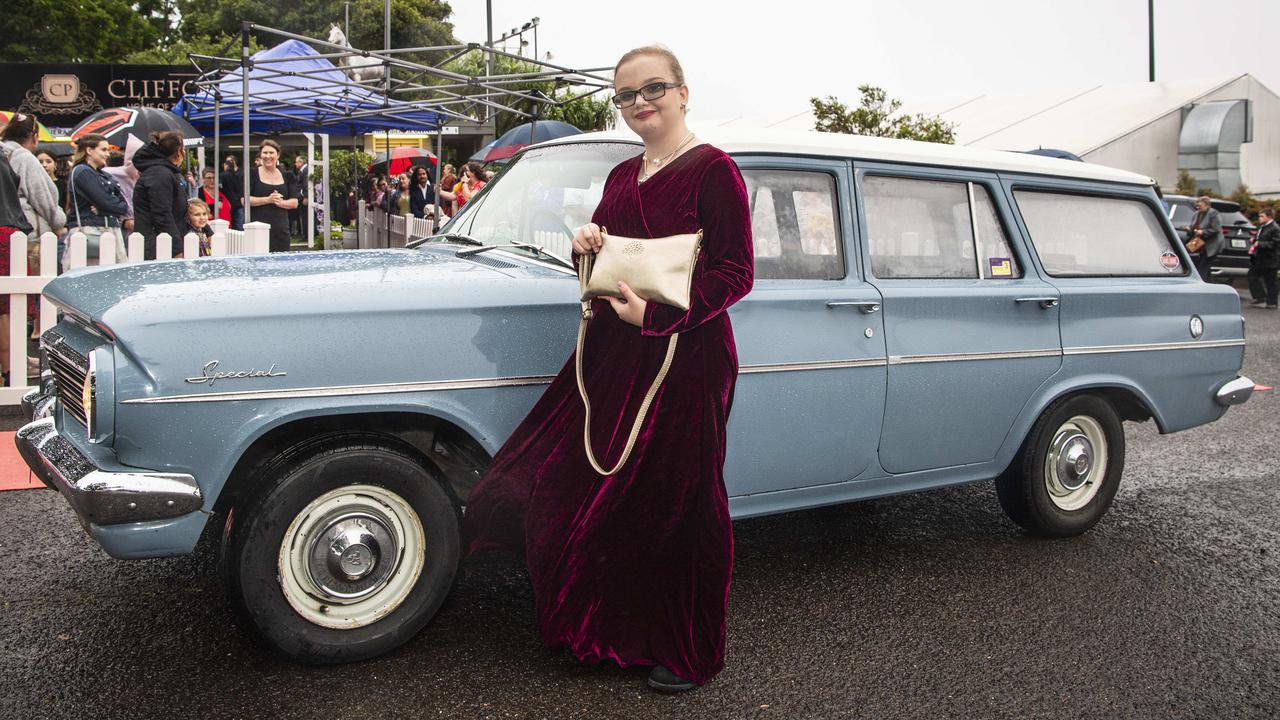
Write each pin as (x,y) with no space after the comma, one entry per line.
(210,374)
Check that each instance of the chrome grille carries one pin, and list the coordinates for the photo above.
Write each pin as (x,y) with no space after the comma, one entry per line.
(69,370)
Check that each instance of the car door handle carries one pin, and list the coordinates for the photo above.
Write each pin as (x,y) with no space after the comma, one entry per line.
(1045,302)
(867,307)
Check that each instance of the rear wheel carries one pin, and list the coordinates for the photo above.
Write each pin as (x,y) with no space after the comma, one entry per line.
(1069,468)
(345,553)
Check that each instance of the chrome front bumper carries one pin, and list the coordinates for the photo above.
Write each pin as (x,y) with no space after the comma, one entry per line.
(1234,392)
(98,496)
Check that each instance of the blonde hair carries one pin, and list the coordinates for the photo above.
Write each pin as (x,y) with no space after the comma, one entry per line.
(661,51)
(198,205)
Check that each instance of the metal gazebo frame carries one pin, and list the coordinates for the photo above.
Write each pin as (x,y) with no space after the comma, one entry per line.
(362,105)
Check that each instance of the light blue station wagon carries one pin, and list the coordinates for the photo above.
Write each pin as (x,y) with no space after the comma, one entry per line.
(923,315)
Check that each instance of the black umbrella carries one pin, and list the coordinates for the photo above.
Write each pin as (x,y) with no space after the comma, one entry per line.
(527,134)
(56,149)
(117,124)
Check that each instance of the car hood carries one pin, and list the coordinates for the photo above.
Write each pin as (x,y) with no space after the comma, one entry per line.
(127,297)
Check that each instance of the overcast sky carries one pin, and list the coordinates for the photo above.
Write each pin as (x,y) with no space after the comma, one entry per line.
(766,59)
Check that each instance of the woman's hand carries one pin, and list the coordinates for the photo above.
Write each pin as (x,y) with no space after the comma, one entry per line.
(587,239)
(630,308)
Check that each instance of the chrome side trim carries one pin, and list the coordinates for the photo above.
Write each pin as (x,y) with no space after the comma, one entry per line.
(1153,347)
(819,365)
(440,385)
(962,357)
(343,390)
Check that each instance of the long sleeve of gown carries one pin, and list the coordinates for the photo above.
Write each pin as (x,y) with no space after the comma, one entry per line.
(729,254)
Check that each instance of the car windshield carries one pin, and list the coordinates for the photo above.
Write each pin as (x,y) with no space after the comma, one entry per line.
(540,198)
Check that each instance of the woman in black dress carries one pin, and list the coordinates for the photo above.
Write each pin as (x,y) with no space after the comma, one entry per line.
(272,195)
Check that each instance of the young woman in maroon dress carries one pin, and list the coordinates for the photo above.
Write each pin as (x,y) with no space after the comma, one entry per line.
(634,567)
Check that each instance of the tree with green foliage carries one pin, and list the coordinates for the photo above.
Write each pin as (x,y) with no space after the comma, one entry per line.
(101,31)
(1249,205)
(876,115)
(414,23)
(345,169)
(1186,183)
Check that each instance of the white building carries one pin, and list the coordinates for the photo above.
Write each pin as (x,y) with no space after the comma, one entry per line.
(1224,131)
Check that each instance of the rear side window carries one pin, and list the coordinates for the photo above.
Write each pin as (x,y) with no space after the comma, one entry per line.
(1083,236)
(935,229)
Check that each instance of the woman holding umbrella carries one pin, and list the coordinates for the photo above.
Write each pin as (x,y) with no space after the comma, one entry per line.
(272,195)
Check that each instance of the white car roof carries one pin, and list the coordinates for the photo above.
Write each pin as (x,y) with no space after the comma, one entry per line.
(839,145)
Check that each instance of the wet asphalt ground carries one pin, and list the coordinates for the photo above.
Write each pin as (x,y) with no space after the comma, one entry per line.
(924,606)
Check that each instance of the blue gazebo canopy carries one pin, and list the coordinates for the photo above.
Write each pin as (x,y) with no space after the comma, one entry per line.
(293,89)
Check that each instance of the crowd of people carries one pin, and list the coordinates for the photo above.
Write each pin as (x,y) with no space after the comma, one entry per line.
(413,193)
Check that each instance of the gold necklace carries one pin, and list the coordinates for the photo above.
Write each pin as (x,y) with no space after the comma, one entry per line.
(658,161)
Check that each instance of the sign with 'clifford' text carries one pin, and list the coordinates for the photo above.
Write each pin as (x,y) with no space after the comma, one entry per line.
(61,95)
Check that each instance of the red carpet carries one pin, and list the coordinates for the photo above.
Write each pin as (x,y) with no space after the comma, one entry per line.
(14,473)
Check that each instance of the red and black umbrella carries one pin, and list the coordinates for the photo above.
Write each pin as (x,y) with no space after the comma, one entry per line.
(117,124)
(403,158)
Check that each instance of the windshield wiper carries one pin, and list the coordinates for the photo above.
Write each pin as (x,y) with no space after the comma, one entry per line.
(456,237)
(536,249)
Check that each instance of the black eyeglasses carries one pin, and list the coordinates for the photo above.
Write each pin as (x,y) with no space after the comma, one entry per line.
(652,91)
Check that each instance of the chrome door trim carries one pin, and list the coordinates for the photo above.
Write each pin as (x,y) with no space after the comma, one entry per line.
(962,357)
(818,365)
(1152,347)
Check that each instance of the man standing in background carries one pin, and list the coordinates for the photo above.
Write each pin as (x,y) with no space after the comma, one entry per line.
(297,215)
(231,182)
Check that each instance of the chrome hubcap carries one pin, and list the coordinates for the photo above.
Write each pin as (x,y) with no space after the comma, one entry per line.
(1073,460)
(351,556)
(346,560)
(1076,463)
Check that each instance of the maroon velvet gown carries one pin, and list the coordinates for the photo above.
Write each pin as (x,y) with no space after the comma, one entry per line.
(635,567)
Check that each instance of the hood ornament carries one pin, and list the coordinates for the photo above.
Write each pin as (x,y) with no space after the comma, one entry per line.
(210,374)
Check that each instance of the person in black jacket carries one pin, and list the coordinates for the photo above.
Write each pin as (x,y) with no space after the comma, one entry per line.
(1264,259)
(421,194)
(231,182)
(96,204)
(159,200)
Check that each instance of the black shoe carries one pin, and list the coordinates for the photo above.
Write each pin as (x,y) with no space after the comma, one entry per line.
(1256,302)
(665,681)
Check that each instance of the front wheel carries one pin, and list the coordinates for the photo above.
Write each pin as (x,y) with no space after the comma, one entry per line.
(345,554)
(1069,468)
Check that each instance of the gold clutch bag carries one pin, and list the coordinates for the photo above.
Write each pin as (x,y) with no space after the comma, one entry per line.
(658,270)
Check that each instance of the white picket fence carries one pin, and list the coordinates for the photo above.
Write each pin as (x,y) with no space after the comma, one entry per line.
(253,240)
(376,231)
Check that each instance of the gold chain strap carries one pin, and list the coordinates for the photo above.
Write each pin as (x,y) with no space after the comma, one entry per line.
(584,272)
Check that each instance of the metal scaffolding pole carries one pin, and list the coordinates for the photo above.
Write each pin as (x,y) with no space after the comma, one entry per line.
(247,167)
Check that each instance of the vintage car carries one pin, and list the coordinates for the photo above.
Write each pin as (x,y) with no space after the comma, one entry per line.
(923,315)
